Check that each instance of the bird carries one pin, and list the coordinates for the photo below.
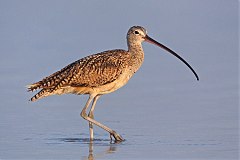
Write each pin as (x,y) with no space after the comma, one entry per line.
(99,74)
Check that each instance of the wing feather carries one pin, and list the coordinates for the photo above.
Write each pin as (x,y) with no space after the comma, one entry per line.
(94,70)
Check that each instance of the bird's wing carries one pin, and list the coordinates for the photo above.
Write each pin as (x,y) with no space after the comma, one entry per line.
(94,70)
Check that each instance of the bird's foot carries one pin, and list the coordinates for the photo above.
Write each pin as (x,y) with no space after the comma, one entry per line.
(116,136)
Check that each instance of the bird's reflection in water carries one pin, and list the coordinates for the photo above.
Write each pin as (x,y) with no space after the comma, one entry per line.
(111,148)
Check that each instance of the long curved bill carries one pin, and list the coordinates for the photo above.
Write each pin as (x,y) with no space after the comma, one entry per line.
(150,40)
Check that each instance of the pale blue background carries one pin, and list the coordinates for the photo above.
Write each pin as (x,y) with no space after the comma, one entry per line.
(163,112)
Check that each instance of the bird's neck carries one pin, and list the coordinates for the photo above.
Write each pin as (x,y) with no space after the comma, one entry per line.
(136,49)
(137,55)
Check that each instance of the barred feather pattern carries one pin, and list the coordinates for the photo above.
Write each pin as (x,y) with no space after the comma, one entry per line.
(91,71)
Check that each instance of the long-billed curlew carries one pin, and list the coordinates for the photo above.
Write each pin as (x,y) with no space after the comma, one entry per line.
(99,74)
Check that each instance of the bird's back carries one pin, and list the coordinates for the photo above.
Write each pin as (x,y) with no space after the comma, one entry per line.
(89,72)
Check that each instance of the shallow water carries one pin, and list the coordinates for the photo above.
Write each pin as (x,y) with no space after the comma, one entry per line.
(163,112)
(53,129)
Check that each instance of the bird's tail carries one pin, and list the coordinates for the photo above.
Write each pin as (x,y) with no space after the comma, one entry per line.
(40,94)
(34,86)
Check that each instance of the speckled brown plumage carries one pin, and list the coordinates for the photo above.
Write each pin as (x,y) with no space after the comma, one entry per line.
(91,71)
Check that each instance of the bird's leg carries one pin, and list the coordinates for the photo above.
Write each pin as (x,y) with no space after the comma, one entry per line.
(109,130)
(91,115)
(83,114)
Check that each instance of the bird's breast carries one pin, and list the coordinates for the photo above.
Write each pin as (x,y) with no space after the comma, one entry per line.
(116,84)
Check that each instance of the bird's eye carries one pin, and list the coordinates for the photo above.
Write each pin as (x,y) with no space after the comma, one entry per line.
(136,32)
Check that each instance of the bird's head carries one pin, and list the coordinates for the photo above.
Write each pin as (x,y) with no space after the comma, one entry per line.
(137,34)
